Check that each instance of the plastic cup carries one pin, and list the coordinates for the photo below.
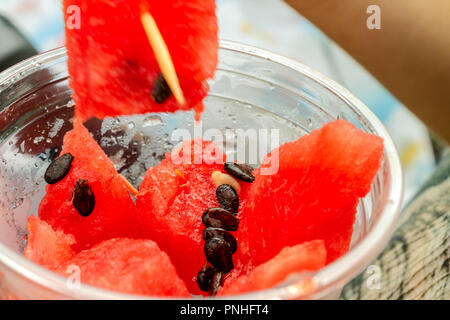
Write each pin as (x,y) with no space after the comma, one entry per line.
(252,89)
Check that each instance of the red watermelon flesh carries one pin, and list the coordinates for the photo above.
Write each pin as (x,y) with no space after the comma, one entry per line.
(120,264)
(172,199)
(46,246)
(308,256)
(113,67)
(320,179)
(114,211)
(129,266)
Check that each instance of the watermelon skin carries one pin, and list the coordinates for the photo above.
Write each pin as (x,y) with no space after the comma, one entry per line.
(113,67)
(114,212)
(320,179)
(129,266)
(46,246)
(308,256)
(170,206)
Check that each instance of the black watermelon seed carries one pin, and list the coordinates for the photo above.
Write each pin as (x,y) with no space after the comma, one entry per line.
(205,277)
(220,218)
(209,233)
(216,283)
(83,198)
(58,169)
(161,90)
(218,253)
(240,171)
(227,197)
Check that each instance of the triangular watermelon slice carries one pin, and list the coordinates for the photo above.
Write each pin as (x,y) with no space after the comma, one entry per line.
(114,211)
(113,67)
(314,194)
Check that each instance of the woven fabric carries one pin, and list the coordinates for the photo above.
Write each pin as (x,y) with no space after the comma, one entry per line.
(415,264)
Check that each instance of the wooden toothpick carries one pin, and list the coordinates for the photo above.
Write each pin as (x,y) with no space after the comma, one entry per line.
(129,186)
(162,55)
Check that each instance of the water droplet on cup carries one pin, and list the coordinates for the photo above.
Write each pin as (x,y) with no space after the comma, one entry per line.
(342,116)
(36,140)
(151,121)
(131,125)
(15,203)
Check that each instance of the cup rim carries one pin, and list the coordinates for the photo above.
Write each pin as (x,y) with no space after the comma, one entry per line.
(324,280)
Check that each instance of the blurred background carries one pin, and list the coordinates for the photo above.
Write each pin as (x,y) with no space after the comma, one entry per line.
(268,24)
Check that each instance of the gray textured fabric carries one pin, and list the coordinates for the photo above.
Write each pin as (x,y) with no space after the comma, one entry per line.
(415,264)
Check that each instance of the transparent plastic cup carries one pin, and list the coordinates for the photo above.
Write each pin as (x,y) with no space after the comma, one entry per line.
(252,88)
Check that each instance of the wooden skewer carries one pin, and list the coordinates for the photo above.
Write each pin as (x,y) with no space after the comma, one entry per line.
(180,174)
(130,187)
(162,56)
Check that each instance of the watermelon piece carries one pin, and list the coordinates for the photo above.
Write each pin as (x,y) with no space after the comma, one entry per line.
(308,256)
(320,179)
(46,246)
(172,199)
(129,266)
(121,264)
(114,212)
(113,67)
